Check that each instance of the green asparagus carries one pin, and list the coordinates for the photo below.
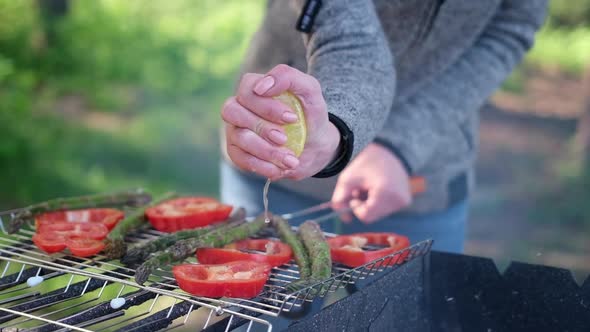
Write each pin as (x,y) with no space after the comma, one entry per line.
(140,253)
(288,236)
(135,197)
(185,248)
(115,246)
(319,251)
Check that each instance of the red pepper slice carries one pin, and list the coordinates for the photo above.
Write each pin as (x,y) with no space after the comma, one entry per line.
(97,231)
(186,213)
(242,279)
(275,252)
(79,230)
(108,217)
(348,249)
(84,247)
(82,238)
(50,242)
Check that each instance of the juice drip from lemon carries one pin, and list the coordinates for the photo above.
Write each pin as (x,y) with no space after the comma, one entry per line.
(296,137)
(265,200)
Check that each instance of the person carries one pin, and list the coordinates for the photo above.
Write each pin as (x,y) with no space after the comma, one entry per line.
(390,90)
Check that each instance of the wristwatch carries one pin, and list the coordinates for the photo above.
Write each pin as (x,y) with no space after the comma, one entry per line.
(343,152)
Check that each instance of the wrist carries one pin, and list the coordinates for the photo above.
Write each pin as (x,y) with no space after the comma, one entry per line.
(332,148)
(342,153)
(395,152)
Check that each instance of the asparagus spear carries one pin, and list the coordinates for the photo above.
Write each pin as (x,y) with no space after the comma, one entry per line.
(288,236)
(115,246)
(318,249)
(140,253)
(185,248)
(135,197)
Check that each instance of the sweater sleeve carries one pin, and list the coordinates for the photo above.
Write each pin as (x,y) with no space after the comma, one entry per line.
(348,53)
(425,121)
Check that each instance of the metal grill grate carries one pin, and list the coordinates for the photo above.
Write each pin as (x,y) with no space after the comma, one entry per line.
(40,292)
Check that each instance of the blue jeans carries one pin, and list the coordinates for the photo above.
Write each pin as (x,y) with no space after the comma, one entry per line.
(446,228)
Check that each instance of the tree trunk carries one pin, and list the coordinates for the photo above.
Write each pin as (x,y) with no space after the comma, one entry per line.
(51,11)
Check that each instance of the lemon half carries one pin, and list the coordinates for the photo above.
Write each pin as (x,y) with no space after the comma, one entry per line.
(296,132)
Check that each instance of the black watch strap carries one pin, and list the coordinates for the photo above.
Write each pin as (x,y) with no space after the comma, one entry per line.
(344,150)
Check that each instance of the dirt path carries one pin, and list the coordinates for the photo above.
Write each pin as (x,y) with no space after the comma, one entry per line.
(518,154)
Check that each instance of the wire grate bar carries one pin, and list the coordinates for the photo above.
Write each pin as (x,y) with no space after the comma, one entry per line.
(18,297)
(43,319)
(51,312)
(73,269)
(99,319)
(127,319)
(105,308)
(160,319)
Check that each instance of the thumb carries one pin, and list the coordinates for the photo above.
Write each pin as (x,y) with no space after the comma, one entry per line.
(344,192)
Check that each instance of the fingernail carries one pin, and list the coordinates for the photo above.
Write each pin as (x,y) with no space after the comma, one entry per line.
(277,137)
(264,85)
(290,161)
(289,117)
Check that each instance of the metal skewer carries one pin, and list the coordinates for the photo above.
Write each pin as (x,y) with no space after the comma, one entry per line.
(417,186)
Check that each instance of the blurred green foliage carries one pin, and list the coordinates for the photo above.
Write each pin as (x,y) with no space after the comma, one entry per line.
(127,95)
(561,48)
(562,44)
(568,13)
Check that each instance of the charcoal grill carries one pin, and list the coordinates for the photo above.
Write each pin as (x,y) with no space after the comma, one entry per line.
(58,292)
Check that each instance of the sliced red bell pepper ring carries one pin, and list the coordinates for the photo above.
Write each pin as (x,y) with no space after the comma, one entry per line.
(49,242)
(241,279)
(273,252)
(83,239)
(348,249)
(108,217)
(97,231)
(187,213)
(83,246)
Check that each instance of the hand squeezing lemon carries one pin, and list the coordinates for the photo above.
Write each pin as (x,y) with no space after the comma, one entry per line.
(296,137)
(296,132)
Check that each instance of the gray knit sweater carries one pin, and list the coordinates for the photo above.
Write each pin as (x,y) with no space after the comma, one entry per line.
(411,73)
